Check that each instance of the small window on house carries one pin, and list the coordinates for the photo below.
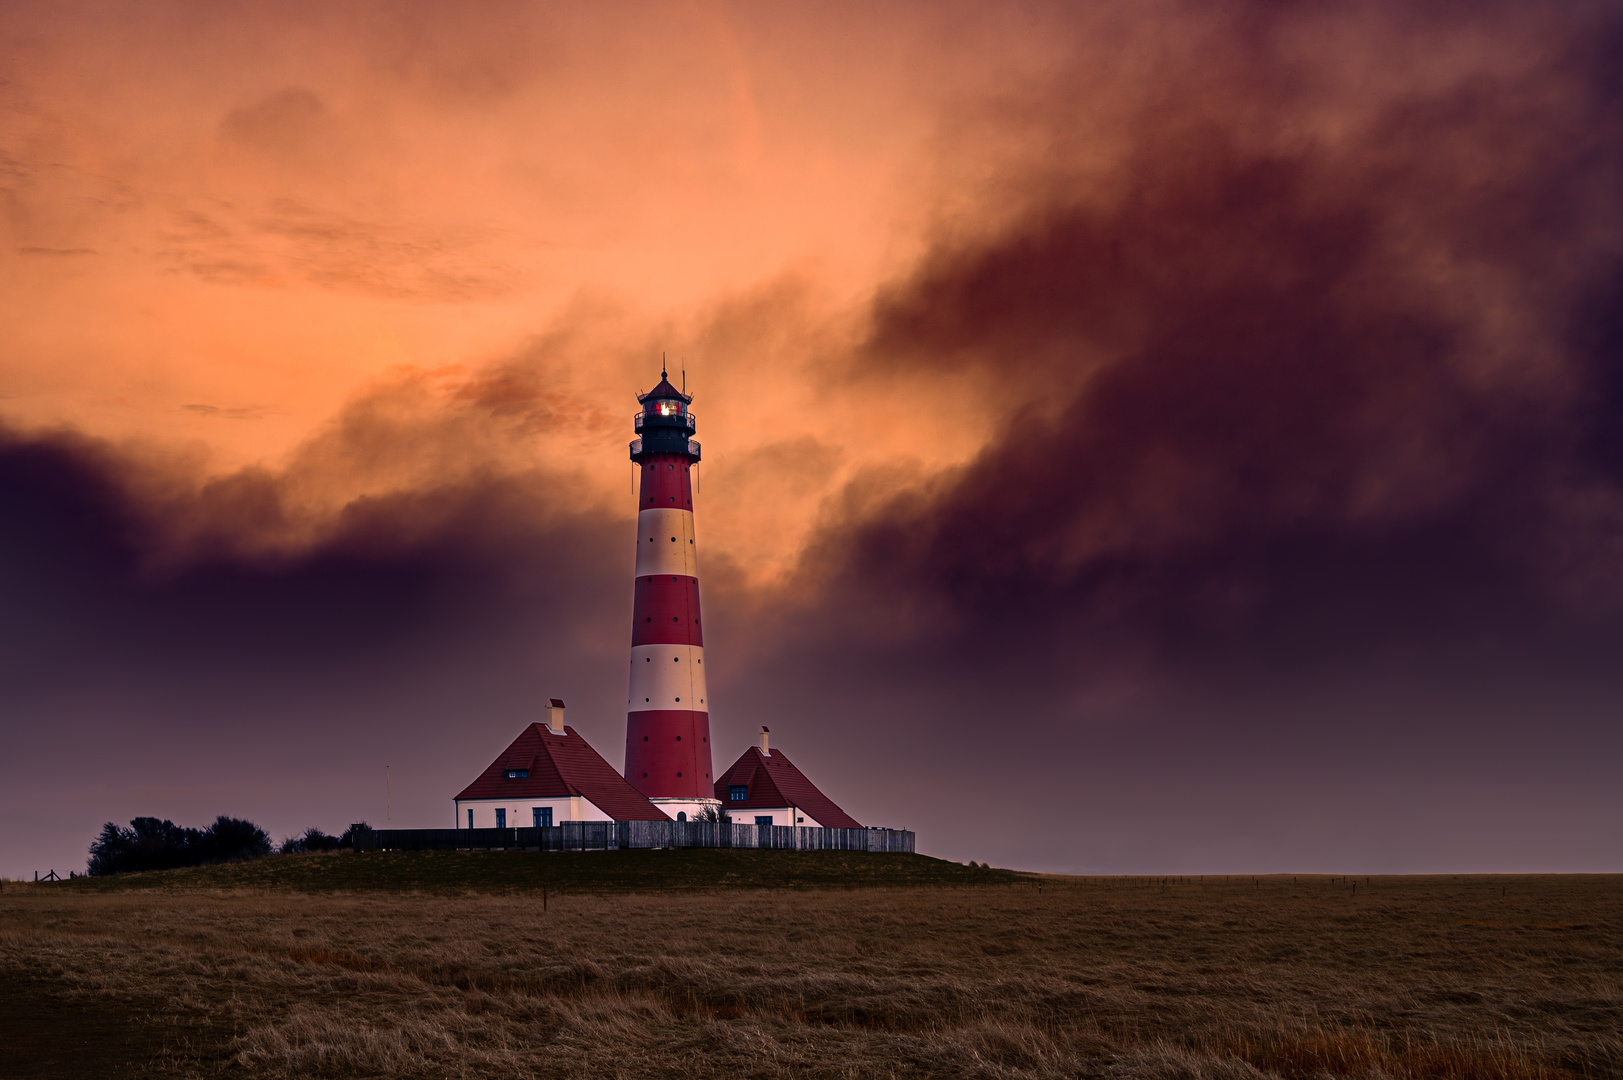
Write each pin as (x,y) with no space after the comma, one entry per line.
(517,774)
(542,816)
(501,819)
(738,793)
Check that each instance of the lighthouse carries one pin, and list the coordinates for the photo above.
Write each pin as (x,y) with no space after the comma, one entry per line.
(550,775)
(667,705)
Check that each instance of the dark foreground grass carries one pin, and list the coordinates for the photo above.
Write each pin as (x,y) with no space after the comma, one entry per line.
(1458,978)
(50,1032)
(454,872)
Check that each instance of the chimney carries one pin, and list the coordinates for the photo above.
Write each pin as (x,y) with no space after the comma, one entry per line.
(555,716)
(766,733)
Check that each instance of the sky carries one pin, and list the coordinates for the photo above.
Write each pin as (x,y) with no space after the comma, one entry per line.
(1171,437)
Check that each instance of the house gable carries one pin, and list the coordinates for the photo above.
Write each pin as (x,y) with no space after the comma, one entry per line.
(560,766)
(772,781)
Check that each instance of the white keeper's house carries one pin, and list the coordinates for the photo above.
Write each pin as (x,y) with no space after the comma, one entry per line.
(547,776)
(765,788)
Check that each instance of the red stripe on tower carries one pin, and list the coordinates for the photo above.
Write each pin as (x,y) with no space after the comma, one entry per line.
(667,709)
(666,611)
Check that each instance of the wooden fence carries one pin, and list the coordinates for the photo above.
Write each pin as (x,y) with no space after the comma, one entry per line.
(620,835)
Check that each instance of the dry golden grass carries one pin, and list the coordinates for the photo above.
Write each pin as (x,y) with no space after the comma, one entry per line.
(1411,978)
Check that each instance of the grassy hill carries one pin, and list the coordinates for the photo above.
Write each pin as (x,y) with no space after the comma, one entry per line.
(453,872)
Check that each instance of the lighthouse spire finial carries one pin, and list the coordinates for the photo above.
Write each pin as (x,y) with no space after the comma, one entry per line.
(662,365)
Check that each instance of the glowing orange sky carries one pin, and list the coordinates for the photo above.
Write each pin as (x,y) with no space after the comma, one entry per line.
(223,227)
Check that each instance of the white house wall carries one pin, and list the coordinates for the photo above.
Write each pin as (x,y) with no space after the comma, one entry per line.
(691,807)
(519,811)
(781,815)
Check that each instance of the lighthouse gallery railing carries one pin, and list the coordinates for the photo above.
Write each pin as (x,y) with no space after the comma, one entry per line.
(692,445)
(623,835)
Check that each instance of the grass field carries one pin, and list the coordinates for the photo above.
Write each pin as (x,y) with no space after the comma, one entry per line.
(455,872)
(392,965)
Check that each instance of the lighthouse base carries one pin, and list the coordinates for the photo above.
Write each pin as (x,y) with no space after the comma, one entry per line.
(690,809)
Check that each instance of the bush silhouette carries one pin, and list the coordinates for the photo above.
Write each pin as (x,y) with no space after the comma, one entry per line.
(312,840)
(159,844)
(232,839)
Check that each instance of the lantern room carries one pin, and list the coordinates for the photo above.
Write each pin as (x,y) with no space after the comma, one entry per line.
(665,422)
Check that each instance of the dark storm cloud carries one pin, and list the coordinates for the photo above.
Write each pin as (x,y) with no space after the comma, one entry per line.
(1310,490)
(1256,409)
(103,549)
(170,648)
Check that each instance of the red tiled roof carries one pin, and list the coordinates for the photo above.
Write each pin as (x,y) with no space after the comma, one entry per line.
(561,766)
(773,781)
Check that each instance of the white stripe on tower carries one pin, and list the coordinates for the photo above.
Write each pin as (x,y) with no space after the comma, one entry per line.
(665,543)
(667,677)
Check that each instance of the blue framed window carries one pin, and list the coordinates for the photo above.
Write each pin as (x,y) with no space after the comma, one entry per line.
(517,774)
(543,816)
(763,819)
(501,819)
(737,793)
(470,818)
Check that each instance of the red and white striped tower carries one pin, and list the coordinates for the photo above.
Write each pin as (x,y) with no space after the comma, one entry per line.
(668,712)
